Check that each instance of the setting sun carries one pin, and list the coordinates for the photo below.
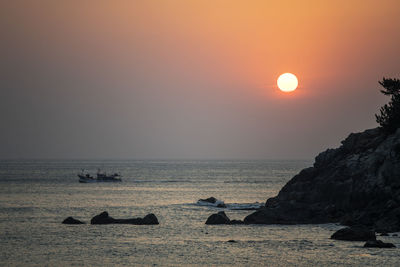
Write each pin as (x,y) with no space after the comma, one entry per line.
(287,82)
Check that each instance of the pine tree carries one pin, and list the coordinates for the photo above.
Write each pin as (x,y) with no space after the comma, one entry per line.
(389,117)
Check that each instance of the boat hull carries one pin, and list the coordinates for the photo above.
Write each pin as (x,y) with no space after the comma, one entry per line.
(84,179)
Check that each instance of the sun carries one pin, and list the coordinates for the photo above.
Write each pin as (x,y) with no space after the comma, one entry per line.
(287,82)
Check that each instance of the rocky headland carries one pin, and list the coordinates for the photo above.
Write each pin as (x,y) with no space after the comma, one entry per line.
(355,184)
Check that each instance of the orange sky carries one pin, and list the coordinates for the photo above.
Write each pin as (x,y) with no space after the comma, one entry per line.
(198,75)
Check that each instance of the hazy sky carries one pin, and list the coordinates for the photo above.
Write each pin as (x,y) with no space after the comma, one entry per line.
(190,79)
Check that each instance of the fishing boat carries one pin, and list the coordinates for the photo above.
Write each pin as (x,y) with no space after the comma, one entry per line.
(100,177)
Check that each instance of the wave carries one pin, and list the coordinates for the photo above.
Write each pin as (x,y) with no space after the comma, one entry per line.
(160,181)
(230,206)
(217,203)
(245,206)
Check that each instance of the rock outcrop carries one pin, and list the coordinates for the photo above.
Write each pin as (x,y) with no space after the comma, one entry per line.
(354,234)
(355,184)
(221,218)
(104,218)
(71,220)
(378,244)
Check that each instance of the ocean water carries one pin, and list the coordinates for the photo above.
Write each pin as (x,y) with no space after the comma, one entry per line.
(37,195)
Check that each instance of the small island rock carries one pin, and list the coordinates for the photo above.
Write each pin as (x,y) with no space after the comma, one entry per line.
(150,219)
(71,220)
(102,218)
(105,218)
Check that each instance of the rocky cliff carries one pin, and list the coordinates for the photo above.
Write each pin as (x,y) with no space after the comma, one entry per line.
(357,183)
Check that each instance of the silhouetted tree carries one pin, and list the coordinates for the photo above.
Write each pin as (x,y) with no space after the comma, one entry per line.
(389,117)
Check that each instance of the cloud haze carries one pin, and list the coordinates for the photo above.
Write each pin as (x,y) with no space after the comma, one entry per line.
(190,79)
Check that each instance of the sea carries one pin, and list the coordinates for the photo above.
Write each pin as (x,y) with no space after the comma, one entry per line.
(37,195)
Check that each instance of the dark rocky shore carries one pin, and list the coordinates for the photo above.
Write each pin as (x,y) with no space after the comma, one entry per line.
(355,184)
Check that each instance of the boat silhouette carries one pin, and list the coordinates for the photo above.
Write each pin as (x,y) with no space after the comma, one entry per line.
(100,177)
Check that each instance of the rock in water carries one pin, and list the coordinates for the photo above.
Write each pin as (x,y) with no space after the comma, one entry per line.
(71,220)
(236,222)
(209,200)
(356,184)
(218,218)
(354,234)
(378,244)
(221,218)
(104,218)
(150,219)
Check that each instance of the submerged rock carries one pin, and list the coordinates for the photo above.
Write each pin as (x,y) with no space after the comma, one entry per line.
(104,218)
(355,184)
(71,220)
(378,244)
(354,234)
(221,218)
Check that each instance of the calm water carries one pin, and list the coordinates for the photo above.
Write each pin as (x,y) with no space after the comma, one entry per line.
(35,196)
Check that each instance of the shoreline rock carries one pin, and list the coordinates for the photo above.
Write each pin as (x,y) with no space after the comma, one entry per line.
(105,218)
(355,184)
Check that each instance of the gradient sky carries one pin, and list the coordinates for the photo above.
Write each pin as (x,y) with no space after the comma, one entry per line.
(190,79)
